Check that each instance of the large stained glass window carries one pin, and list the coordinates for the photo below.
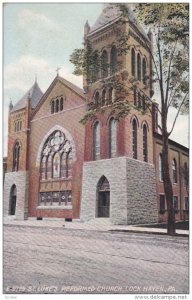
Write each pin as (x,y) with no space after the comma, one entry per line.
(55,156)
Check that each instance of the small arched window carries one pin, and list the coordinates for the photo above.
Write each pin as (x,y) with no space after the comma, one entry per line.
(144,68)
(104,65)
(133,62)
(103,100)
(96,141)
(160,167)
(16,156)
(61,103)
(110,95)
(145,148)
(96,98)
(57,105)
(139,100)
(174,171)
(113,60)
(186,175)
(134,138)
(143,103)
(112,138)
(138,67)
(52,107)
(135,96)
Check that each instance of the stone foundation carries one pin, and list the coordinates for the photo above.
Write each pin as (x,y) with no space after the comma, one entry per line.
(20,179)
(132,190)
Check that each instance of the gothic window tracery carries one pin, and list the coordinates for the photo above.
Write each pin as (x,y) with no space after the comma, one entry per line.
(55,155)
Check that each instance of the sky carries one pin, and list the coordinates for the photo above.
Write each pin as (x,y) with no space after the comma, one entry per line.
(38,38)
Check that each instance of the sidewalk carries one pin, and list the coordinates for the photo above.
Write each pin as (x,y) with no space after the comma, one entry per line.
(94,225)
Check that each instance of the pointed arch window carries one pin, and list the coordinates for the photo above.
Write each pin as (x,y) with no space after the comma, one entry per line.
(160,167)
(112,138)
(145,148)
(57,105)
(96,99)
(54,156)
(139,100)
(52,107)
(104,65)
(16,156)
(174,171)
(134,138)
(61,104)
(133,62)
(103,100)
(135,96)
(138,67)
(110,95)
(144,68)
(96,141)
(113,60)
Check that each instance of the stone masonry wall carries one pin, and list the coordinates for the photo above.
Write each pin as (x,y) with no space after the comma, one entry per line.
(132,190)
(20,179)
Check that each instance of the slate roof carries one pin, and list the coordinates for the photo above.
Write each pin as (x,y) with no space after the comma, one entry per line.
(112,13)
(35,94)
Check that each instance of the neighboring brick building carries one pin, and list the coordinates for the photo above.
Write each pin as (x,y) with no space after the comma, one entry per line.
(57,167)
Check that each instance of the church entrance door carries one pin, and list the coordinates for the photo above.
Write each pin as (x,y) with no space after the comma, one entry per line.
(13,198)
(103,201)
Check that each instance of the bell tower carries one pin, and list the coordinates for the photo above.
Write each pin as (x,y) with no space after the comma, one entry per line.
(118,130)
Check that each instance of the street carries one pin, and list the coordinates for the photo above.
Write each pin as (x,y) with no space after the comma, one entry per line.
(60,260)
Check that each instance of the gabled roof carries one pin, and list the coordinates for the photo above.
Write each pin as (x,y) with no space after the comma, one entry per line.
(110,14)
(35,95)
(68,84)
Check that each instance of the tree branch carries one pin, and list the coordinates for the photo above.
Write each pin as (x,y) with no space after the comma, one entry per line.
(178,111)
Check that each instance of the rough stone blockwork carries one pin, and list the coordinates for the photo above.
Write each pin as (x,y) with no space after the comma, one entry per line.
(20,179)
(132,190)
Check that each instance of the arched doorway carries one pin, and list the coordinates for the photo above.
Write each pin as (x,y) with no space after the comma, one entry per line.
(103,198)
(13,198)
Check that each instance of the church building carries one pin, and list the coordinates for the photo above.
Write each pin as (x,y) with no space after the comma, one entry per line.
(57,167)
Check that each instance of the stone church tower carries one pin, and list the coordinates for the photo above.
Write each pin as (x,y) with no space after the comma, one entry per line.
(118,173)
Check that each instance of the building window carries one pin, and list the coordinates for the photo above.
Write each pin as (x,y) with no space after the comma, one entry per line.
(96,99)
(143,103)
(144,68)
(96,141)
(139,100)
(133,62)
(16,156)
(186,175)
(55,198)
(161,204)
(113,60)
(55,156)
(186,204)
(94,68)
(112,138)
(145,149)
(57,105)
(138,67)
(104,66)
(174,171)
(135,96)
(52,107)
(134,138)
(160,168)
(110,95)
(103,100)
(156,120)
(61,104)
(17,125)
(175,203)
